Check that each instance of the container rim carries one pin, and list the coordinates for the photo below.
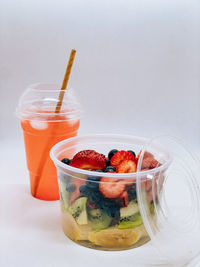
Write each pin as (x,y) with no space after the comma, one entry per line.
(35,85)
(58,163)
(25,114)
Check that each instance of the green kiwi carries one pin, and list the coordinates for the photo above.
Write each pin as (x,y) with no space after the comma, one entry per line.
(130,210)
(99,219)
(78,210)
(130,216)
(130,221)
(64,195)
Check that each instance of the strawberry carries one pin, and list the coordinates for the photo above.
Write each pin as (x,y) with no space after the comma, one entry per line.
(154,164)
(149,163)
(146,155)
(127,166)
(121,155)
(124,197)
(111,187)
(146,163)
(129,181)
(89,160)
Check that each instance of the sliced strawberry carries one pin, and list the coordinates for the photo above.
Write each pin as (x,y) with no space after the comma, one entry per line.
(127,166)
(147,155)
(146,163)
(89,160)
(121,155)
(154,164)
(111,187)
(149,163)
(124,197)
(129,182)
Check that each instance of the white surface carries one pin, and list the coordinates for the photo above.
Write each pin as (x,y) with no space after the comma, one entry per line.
(31,235)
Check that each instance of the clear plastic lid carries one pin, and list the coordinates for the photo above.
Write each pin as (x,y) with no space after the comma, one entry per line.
(169,201)
(39,101)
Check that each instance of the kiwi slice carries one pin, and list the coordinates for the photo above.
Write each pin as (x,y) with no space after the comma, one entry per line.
(130,216)
(99,219)
(64,195)
(130,210)
(78,210)
(130,221)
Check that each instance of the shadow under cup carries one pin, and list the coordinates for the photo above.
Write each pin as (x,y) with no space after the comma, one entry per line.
(42,129)
(92,220)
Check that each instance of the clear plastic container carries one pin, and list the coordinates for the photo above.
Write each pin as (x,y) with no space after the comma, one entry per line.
(42,129)
(159,217)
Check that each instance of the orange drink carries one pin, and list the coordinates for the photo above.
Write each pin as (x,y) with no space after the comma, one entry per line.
(39,137)
(42,129)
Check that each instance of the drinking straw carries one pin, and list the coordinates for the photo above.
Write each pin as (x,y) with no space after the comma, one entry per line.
(57,110)
(65,81)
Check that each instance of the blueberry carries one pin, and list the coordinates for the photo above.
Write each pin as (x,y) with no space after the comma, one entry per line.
(98,170)
(115,213)
(110,169)
(84,190)
(116,219)
(66,161)
(132,193)
(93,182)
(71,188)
(95,196)
(111,153)
(132,152)
(111,207)
(94,178)
(107,162)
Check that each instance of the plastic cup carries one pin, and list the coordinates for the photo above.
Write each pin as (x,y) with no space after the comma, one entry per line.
(99,222)
(162,214)
(42,129)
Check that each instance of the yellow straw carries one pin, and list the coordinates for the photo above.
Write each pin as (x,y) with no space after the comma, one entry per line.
(65,81)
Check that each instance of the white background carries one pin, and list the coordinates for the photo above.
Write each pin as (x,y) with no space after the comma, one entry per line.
(137,68)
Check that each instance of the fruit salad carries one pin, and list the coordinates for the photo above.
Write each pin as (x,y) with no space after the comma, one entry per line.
(99,211)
